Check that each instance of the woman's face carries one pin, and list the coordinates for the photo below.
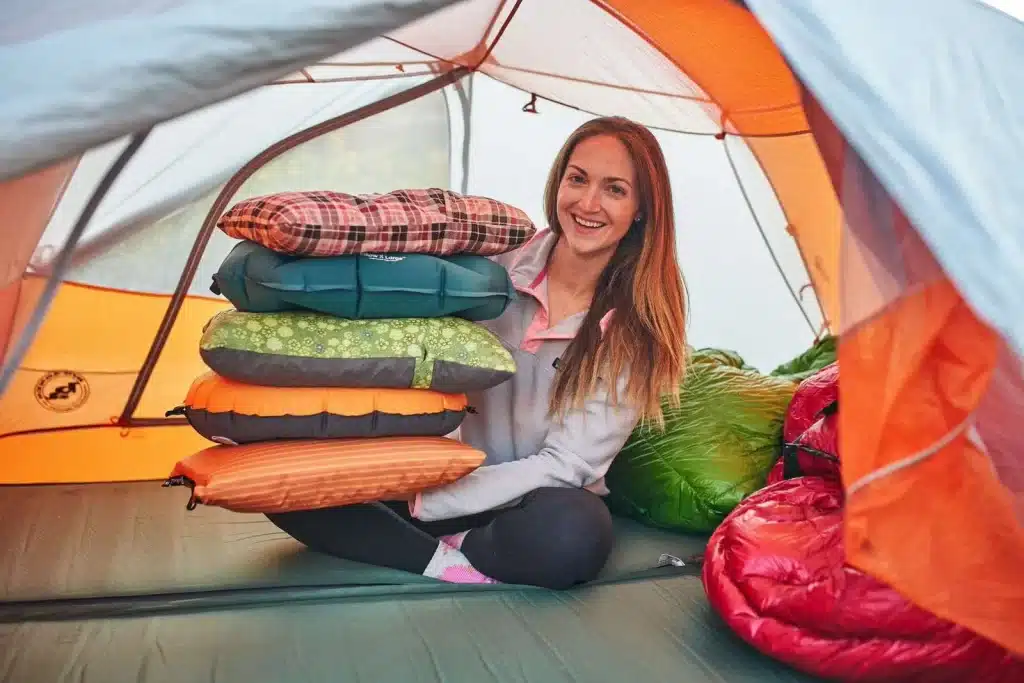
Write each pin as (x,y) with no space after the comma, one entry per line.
(597,198)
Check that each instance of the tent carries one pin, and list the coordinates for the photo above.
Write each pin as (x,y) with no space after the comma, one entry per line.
(837,167)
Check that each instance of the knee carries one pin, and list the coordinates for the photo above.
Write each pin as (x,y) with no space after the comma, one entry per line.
(573,537)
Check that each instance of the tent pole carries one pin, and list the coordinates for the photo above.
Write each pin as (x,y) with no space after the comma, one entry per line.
(466,95)
(63,261)
(223,199)
(767,243)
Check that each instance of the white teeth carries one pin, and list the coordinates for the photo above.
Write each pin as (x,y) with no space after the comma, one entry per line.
(587,224)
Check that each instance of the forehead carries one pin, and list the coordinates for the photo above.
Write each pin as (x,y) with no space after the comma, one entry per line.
(603,156)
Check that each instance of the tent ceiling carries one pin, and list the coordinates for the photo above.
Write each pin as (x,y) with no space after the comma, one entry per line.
(622,56)
(700,66)
(598,58)
(174,56)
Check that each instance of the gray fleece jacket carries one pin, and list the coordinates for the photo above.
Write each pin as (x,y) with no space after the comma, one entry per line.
(525,449)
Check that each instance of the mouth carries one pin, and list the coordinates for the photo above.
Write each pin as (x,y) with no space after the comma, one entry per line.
(585,224)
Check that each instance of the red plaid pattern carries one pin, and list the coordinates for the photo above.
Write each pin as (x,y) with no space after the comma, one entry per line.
(428,221)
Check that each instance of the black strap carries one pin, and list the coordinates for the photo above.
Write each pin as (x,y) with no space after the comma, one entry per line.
(791,461)
(182,480)
(791,451)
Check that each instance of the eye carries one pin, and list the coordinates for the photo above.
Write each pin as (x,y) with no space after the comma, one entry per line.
(576,178)
(618,190)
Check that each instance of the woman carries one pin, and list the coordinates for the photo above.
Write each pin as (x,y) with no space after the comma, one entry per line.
(601,297)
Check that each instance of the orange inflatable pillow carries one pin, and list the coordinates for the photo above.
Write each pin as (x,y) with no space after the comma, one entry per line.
(231,412)
(285,476)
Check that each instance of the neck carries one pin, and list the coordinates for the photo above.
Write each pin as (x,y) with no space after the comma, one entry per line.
(576,275)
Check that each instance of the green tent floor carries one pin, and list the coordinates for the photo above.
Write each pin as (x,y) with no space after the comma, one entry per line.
(119,582)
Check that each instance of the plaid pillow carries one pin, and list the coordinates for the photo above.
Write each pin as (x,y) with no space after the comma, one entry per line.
(428,221)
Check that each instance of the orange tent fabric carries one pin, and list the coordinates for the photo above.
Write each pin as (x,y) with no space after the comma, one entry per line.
(925,507)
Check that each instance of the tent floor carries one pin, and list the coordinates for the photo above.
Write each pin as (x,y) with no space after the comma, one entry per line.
(118,582)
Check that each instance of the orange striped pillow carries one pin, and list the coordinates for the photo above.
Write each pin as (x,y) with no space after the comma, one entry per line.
(283,476)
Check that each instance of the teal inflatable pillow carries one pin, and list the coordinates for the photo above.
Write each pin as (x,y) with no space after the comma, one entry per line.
(364,286)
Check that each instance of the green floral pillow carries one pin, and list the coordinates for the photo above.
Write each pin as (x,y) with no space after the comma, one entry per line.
(300,348)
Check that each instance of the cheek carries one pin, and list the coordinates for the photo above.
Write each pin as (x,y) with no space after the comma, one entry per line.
(566,198)
(622,214)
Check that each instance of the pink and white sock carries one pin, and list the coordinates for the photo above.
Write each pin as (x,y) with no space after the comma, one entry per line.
(450,565)
(455,540)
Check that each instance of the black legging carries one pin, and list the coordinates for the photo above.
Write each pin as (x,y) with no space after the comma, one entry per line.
(554,538)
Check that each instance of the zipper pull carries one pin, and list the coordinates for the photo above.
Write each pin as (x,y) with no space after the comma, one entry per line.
(667,560)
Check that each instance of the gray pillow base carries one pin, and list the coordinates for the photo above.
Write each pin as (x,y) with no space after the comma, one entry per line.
(274,370)
(241,428)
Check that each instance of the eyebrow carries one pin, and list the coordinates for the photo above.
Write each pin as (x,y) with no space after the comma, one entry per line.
(614,179)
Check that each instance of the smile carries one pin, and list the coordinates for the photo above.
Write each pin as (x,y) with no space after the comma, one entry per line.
(592,225)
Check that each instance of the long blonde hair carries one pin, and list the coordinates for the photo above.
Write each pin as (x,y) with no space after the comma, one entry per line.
(646,336)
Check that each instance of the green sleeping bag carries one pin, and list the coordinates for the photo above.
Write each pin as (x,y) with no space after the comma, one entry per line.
(364,286)
(822,354)
(716,449)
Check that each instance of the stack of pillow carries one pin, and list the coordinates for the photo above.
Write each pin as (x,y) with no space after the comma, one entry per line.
(354,336)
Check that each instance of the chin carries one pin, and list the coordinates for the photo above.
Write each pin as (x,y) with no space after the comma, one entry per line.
(587,245)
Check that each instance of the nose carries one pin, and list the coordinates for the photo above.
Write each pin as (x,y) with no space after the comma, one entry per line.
(591,199)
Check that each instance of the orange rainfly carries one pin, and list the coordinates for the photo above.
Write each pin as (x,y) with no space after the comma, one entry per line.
(751,90)
(26,205)
(925,507)
(66,397)
(924,384)
(723,49)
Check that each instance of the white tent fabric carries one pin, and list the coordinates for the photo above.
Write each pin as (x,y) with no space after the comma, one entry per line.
(186,158)
(60,95)
(176,56)
(739,298)
(741,293)
(943,130)
(179,56)
(406,146)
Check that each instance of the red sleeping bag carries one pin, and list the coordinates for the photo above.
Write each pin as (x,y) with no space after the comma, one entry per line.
(775,570)
(814,395)
(810,432)
(812,453)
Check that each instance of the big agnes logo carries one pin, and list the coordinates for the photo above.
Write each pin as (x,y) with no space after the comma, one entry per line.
(62,391)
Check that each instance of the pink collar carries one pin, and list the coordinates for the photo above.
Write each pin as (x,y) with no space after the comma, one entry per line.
(529,272)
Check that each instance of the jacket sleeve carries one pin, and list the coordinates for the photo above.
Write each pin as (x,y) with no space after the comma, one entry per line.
(576,453)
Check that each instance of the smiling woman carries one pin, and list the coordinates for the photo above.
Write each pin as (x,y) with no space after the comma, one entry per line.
(598,339)
(609,199)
